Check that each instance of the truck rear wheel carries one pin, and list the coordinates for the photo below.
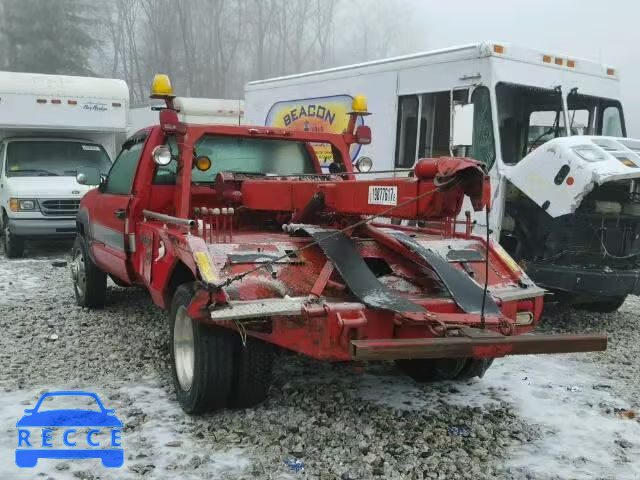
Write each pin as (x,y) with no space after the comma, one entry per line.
(202,358)
(12,244)
(432,369)
(603,305)
(441,369)
(252,377)
(89,282)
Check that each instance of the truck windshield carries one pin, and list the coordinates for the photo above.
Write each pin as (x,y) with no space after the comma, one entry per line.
(530,116)
(243,155)
(54,158)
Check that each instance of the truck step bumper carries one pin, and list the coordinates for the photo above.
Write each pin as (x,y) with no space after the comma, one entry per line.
(477,345)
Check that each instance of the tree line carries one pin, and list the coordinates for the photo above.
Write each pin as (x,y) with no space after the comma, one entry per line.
(210,48)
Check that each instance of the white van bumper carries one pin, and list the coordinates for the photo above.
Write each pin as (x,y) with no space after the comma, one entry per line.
(42,227)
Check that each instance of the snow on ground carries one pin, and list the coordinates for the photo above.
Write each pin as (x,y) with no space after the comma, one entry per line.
(582,426)
(544,417)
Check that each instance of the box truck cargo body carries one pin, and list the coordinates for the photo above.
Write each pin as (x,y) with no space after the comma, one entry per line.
(52,128)
(548,127)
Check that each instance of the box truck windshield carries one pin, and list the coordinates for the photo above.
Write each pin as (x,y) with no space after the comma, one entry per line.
(530,116)
(54,158)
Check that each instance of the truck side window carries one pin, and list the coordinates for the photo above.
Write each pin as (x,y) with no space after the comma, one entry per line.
(611,123)
(483,147)
(120,179)
(423,122)
(406,131)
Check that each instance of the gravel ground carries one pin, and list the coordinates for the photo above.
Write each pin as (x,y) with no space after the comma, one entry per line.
(546,417)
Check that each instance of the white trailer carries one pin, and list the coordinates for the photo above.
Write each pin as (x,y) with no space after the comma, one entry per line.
(192,110)
(565,206)
(51,128)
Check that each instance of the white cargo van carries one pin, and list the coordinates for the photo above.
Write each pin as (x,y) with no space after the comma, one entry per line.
(53,127)
(549,128)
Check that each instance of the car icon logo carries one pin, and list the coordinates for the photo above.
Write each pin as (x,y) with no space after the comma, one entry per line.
(35,430)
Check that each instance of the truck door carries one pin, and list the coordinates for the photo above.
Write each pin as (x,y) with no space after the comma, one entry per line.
(423,127)
(109,225)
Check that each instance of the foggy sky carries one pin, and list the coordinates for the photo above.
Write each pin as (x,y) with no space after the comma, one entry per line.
(604,31)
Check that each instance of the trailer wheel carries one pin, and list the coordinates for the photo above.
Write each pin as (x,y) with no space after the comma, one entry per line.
(12,244)
(603,305)
(432,369)
(252,377)
(89,282)
(202,358)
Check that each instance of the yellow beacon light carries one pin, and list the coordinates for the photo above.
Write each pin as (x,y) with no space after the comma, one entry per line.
(161,87)
(359,104)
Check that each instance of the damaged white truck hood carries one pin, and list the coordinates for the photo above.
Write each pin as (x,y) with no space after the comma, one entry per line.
(558,175)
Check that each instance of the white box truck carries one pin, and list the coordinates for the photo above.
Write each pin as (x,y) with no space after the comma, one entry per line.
(549,129)
(52,127)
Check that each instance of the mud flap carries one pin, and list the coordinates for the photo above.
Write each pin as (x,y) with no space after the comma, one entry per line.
(464,291)
(342,251)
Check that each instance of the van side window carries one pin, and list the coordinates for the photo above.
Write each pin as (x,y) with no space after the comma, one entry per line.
(120,178)
(483,147)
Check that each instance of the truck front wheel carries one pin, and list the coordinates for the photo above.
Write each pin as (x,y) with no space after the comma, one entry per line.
(89,282)
(202,358)
(13,245)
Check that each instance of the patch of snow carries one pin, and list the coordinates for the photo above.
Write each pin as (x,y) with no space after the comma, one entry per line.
(575,408)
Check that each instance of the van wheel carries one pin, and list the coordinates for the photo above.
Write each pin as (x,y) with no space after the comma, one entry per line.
(13,245)
(202,358)
(89,282)
(252,377)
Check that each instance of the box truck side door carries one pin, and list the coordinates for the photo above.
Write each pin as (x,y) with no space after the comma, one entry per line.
(108,225)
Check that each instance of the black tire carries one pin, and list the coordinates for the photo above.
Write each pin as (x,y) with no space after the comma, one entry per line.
(475,367)
(441,369)
(603,305)
(12,244)
(207,386)
(89,282)
(432,369)
(252,377)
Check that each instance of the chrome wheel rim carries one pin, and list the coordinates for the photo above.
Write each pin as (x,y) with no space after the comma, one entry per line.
(183,349)
(78,272)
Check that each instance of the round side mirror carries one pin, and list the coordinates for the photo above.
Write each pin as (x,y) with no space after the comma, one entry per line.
(162,155)
(364,164)
(81,178)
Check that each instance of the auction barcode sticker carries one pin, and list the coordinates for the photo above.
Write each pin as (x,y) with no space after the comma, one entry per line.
(383,195)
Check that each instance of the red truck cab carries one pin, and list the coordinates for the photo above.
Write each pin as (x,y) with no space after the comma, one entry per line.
(248,241)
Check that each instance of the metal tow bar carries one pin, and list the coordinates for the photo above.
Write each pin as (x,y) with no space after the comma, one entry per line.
(474,343)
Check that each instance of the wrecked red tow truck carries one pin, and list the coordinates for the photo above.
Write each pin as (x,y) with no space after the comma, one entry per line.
(242,237)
